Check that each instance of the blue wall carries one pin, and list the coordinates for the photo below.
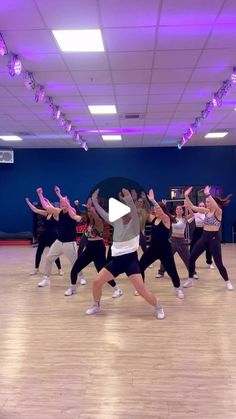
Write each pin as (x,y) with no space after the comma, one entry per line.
(78,172)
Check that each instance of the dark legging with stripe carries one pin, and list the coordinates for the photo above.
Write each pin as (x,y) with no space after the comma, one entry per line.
(94,251)
(210,239)
(197,233)
(164,253)
(40,249)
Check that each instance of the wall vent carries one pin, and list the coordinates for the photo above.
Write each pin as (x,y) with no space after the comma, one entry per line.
(6,156)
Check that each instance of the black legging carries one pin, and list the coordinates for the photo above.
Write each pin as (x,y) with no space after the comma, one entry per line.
(94,251)
(164,253)
(197,233)
(210,239)
(142,241)
(82,244)
(41,246)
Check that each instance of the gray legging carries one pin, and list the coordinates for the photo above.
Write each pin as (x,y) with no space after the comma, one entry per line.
(179,245)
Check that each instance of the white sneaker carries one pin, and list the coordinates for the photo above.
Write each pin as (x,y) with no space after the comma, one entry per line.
(34,272)
(94,309)
(188,283)
(211,266)
(45,281)
(117,293)
(195,276)
(136,293)
(70,291)
(151,266)
(179,293)
(160,313)
(229,285)
(83,281)
(60,272)
(158,275)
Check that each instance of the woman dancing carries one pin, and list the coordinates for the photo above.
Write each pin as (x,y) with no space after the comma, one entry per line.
(210,236)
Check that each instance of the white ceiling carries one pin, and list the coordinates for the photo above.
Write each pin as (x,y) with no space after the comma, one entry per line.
(163,59)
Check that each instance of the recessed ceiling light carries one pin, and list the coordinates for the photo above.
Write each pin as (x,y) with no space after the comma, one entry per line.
(81,40)
(111,137)
(10,138)
(219,134)
(102,109)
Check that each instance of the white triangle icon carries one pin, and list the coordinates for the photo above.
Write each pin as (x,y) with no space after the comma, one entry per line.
(116,209)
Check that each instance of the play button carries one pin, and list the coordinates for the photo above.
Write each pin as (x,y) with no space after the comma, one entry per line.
(116,209)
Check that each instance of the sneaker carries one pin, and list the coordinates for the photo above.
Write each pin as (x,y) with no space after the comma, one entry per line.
(60,272)
(45,281)
(83,281)
(160,313)
(158,275)
(70,291)
(94,309)
(211,266)
(136,293)
(195,276)
(229,285)
(179,293)
(151,266)
(117,293)
(34,272)
(188,283)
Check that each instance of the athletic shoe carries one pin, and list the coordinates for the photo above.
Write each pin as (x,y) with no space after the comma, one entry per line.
(151,266)
(160,313)
(179,293)
(211,266)
(229,285)
(117,293)
(158,275)
(136,293)
(60,272)
(70,291)
(195,276)
(34,272)
(83,281)
(188,283)
(45,281)
(94,309)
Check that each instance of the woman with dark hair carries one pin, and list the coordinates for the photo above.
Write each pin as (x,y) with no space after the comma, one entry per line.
(46,238)
(177,239)
(160,247)
(210,236)
(198,218)
(94,251)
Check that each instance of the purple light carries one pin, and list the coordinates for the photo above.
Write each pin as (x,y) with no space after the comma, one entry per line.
(233,75)
(3,47)
(62,120)
(15,66)
(68,126)
(216,101)
(40,94)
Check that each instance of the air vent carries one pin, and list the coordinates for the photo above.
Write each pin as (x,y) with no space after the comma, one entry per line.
(6,156)
(132,116)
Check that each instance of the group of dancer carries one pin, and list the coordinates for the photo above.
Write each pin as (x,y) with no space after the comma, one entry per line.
(167,238)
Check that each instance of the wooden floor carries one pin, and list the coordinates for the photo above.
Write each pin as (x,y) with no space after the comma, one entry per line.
(57,363)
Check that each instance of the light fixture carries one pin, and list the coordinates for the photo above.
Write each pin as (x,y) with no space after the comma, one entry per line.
(102,109)
(217,134)
(84,145)
(10,138)
(15,66)
(68,126)
(233,75)
(3,47)
(29,81)
(56,112)
(216,101)
(81,40)
(40,94)
(62,120)
(111,137)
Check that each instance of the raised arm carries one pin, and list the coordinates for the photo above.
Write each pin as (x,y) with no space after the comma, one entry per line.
(163,216)
(35,209)
(72,212)
(98,208)
(188,204)
(46,205)
(58,192)
(217,209)
(145,200)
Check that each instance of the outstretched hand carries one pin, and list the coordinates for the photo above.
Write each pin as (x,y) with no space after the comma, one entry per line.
(188,191)
(207,190)
(151,195)
(126,192)
(57,190)
(95,194)
(27,200)
(39,191)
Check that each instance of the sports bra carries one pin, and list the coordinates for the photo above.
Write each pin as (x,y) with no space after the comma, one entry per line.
(211,221)
(179,226)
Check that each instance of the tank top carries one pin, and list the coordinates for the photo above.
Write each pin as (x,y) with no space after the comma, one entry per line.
(93,233)
(211,221)
(179,226)
(199,219)
(159,233)
(66,228)
(51,228)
